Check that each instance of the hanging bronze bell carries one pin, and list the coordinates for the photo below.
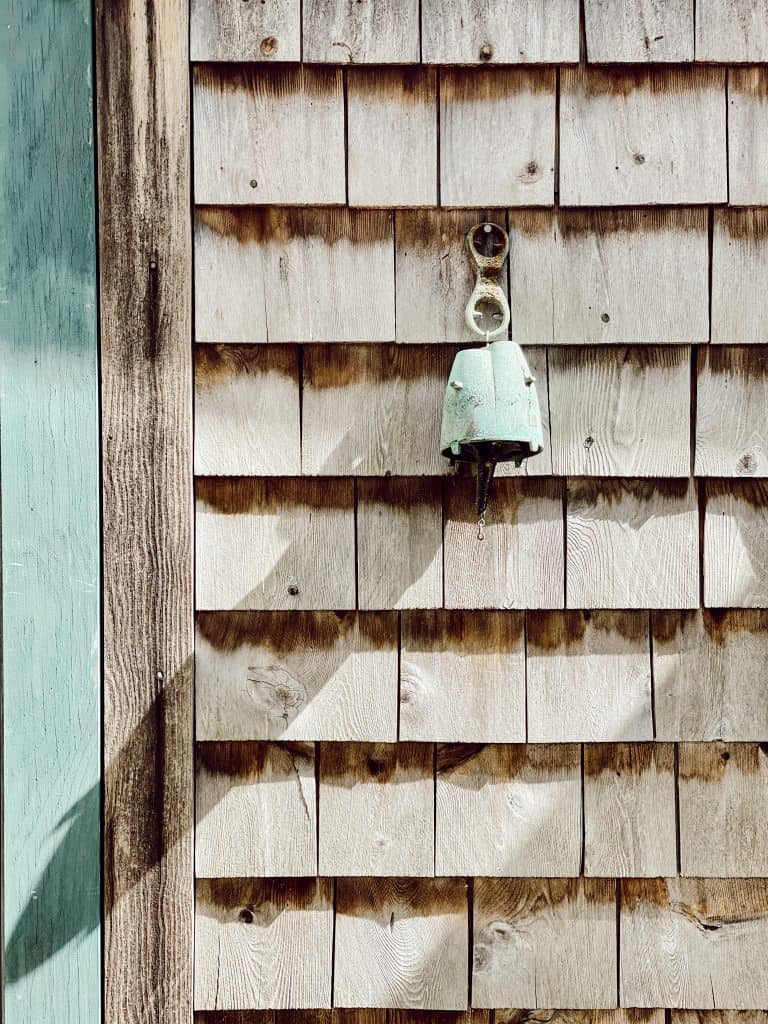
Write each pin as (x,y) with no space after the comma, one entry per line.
(491,410)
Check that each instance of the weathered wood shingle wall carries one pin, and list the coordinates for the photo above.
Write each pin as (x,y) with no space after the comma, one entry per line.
(437,773)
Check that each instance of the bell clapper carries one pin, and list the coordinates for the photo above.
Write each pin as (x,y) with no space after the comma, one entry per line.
(481,528)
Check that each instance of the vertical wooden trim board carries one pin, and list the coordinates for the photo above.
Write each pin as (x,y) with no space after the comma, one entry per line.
(49,459)
(145,244)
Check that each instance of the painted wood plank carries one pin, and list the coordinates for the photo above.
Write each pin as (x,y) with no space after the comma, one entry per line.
(739,267)
(736,544)
(281,275)
(145,265)
(723,809)
(747,146)
(519,563)
(624,257)
(516,32)
(401,943)
(272,544)
(478,105)
(642,137)
(629,810)
(399,543)
(689,942)
(639,31)
(544,942)
(296,676)
(377,804)
(589,677)
(367,32)
(633,413)
(263,944)
(230,30)
(399,105)
(731,398)
(462,677)
(705,686)
(247,410)
(268,135)
(361,405)
(50,598)
(433,274)
(508,810)
(255,812)
(731,30)
(632,544)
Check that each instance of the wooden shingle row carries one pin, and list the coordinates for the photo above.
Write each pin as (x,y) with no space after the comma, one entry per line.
(375,410)
(394,542)
(537,943)
(511,810)
(622,276)
(507,137)
(478,31)
(482,677)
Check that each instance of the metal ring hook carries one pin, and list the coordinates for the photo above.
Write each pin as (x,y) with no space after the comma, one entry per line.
(488,301)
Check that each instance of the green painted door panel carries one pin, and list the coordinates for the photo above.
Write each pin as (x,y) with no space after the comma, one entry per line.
(49,489)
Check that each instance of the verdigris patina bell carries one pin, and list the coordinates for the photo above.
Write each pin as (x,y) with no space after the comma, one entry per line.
(491,411)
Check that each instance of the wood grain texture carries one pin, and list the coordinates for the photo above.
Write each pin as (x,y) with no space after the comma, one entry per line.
(633,414)
(705,684)
(373,410)
(724,809)
(719,1016)
(476,105)
(268,135)
(398,105)
(519,564)
(731,398)
(263,944)
(399,543)
(544,942)
(632,544)
(401,943)
(739,266)
(642,137)
(377,803)
(50,591)
(747,126)
(145,263)
(296,676)
(639,31)
(642,276)
(629,810)
(433,274)
(365,32)
(255,811)
(281,275)
(247,410)
(688,942)
(231,30)
(589,677)
(618,1016)
(462,677)
(508,810)
(272,544)
(736,544)
(731,30)
(516,32)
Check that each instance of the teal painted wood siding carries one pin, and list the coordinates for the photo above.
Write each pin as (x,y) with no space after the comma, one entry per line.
(49,465)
